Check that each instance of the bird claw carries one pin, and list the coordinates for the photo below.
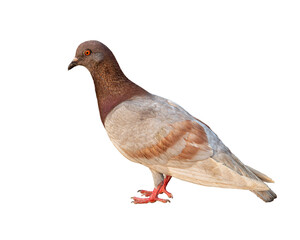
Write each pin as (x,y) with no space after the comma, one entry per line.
(137,200)
(170,195)
(152,196)
(145,193)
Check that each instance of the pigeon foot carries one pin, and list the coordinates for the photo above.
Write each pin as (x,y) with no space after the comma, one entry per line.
(137,200)
(153,195)
(162,190)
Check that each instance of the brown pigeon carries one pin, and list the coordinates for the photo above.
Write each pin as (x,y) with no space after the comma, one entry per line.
(160,134)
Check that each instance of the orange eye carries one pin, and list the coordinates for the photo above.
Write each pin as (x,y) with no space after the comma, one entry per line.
(87,52)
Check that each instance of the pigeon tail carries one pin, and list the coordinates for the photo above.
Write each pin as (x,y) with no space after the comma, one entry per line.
(267,196)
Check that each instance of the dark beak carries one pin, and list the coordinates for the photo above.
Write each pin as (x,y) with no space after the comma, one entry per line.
(74,63)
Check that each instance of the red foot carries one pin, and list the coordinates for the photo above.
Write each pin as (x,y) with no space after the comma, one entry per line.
(153,195)
(148,193)
(137,200)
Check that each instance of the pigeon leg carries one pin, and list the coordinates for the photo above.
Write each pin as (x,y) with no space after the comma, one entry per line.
(162,189)
(153,195)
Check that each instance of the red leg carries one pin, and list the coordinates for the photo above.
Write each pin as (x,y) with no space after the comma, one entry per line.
(153,195)
(163,189)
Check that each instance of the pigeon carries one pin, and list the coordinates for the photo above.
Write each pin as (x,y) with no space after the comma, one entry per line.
(161,135)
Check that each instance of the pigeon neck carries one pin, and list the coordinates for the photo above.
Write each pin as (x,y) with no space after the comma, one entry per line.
(112,87)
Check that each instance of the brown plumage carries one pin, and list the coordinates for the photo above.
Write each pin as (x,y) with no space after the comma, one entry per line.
(194,135)
(161,135)
(111,85)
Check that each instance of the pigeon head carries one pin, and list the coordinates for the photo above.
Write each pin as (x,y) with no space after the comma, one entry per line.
(111,85)
(90,54)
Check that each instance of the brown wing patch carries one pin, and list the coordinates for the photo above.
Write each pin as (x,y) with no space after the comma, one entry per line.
(196,141)
(193,134)
(179,129)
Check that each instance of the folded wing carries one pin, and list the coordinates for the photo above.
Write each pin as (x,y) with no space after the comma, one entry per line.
(164,137)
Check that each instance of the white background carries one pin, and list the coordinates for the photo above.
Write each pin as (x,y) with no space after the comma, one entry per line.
(233,64)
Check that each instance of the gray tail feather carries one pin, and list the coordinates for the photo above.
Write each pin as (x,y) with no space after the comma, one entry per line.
(267,196)
(260,175)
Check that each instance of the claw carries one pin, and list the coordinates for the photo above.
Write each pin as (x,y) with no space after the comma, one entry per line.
(170,195)
(145,193)
(137,200)
(152,196)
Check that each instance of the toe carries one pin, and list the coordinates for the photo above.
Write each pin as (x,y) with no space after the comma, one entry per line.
(145,193)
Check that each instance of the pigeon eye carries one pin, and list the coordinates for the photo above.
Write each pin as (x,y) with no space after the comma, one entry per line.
(87,52)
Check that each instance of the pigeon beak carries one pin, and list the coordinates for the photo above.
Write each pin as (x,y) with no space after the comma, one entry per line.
(74,63)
